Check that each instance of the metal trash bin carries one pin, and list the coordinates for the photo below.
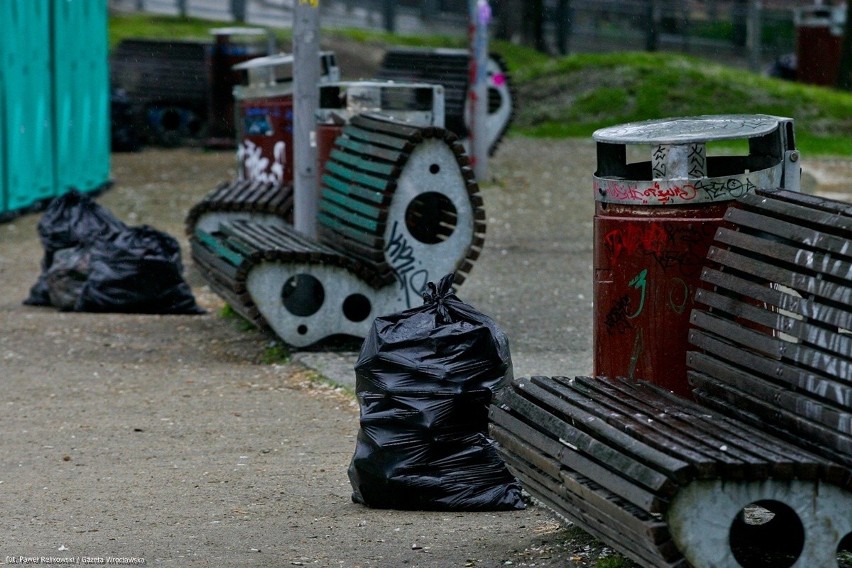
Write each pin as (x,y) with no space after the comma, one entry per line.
(655,219)
(819,39)
(419,104)
(264,116)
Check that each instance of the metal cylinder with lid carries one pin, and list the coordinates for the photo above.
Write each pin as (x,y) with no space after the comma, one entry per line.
(661,190)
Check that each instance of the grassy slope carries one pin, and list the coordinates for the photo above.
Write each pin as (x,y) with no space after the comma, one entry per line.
(575,95)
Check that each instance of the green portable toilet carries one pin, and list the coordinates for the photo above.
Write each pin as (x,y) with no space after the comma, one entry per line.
(81,94)
(28,174)
(54,100)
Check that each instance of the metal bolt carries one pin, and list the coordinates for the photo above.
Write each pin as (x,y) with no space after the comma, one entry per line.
(794,156)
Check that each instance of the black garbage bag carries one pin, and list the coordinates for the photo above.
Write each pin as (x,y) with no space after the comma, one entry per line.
(137,270)
(70,221)
(67,275)
(424,380)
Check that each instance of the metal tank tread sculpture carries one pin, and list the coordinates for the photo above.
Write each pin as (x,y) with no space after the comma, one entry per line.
(399,207)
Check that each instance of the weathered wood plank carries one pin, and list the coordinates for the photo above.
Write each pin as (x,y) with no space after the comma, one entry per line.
(835,315)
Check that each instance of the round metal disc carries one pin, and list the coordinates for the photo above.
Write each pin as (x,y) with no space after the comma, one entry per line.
(688,130)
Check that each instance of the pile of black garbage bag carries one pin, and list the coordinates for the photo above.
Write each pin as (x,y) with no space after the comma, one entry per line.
(95,263)
(424,381)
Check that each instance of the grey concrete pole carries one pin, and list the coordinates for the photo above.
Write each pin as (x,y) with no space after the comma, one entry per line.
(480,16)
(306,74)
(753,32)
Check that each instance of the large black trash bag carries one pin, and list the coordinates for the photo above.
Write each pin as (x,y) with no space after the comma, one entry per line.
(67,275)
(70,221)
(137,270)
(424,380)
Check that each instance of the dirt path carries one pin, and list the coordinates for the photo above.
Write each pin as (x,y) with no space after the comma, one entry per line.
(171,439)
(167,438)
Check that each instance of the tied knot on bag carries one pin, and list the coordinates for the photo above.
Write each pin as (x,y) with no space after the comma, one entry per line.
(437,295)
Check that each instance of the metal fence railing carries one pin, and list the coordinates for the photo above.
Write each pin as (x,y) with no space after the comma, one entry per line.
(720,29)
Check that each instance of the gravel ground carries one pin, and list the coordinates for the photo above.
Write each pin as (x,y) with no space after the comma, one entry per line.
(173,439)
(170,439)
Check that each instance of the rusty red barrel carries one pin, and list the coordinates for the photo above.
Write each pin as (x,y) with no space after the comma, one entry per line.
(264,115)
(661,189)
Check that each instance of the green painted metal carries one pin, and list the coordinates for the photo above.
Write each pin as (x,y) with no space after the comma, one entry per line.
(354,190)
(28,174)
(54,100)
(357,177)
(81,94)
(219,248)
(351,204)
(355,161)
(350,217)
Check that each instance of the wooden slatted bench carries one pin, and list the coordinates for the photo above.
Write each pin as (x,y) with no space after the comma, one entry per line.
(676,482)
(256,200)
(449,68)
(166,75)
(399,207)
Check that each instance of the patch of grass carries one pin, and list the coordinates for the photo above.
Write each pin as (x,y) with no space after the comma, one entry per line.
(275,354)
(613,562)
(575,95)
(154,26)
(372,36)
(242,324)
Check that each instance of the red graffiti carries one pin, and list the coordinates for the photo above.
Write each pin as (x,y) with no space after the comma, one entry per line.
(646,238)
(630,191)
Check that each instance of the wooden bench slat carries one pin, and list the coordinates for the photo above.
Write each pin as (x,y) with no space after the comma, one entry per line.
(210,257)
(216,246)
(810,308)
(359,207)
(774,347)
(588,516)
(782,461)
(557,453)
(356,191)
(597,402)
(779,422)
(805,380)
(802,283)
(679,433)
(801,404)
(783,253)
(649,467)
(360,178)
(361,162)
(824,339)
(351,218)
(807,237)
(562,504)
(332,226)
(357,146)
(588,457)
(253,238)
(654,468)
(368,121)
(786,205)
(536,449)
(808,200)
(402,145)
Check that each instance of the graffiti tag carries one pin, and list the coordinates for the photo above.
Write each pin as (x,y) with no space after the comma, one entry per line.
(412,280)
